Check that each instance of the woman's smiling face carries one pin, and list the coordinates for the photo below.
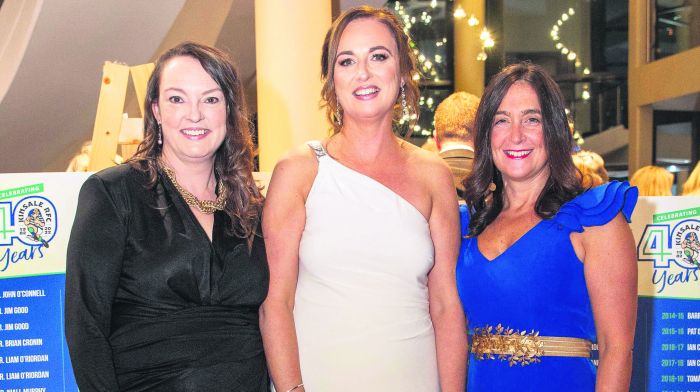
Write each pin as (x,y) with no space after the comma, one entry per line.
(517,136)
(366,74)
(191,109)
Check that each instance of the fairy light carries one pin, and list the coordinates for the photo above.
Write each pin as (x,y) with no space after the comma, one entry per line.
(431,63)
(459,13)
(554,34)
(485,34)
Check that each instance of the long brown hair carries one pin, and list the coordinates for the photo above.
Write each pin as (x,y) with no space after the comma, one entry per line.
(407,62)
(563,183)
(233,161)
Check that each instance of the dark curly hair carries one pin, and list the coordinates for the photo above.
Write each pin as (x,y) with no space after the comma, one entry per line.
(233,161)
(407,61)
(563,183)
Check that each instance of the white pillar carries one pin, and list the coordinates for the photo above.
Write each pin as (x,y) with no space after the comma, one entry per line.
(288,40)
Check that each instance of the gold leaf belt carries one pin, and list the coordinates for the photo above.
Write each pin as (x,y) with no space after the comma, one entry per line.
(524,348)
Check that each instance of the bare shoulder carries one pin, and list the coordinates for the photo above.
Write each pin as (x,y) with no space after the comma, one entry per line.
(596,240)
(294,172)
(434,171)
(616,227)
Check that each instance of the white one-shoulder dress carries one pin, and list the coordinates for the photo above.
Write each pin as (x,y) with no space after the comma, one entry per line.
(361,308)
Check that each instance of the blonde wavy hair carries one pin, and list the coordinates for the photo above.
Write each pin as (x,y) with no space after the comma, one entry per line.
(691,187)
(653,181)
(592,168)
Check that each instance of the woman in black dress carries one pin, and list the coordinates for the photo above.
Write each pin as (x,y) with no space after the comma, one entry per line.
(166,267)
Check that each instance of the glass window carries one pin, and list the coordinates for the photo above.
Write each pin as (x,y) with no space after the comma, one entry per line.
(582,44)
(430,26)
(676,27)
(677,143)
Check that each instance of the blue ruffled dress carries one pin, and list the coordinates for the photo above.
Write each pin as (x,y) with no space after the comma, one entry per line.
(538,284)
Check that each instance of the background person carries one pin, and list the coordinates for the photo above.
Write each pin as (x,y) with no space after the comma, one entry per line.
(592,168)
(362,234)
(542,262)
(653,181)
(454,128)
(691,187)
(166,267)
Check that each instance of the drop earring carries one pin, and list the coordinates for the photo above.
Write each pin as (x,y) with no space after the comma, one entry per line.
(404,105)
(338,116)
(160,135)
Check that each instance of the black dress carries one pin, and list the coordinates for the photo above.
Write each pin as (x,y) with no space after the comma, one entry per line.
(151,303)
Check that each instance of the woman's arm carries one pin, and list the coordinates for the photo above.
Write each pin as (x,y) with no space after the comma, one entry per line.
(445,307)
(284,216)
(93,267)
(610,268)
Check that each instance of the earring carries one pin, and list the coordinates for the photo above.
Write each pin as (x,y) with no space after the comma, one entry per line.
(492,187)
(404,105)
(160,135)
(338,116)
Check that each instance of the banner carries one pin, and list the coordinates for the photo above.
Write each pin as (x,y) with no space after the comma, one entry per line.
(36,215)
(667,341)
(37,212)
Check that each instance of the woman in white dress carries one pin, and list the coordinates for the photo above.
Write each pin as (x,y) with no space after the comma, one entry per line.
(362,235)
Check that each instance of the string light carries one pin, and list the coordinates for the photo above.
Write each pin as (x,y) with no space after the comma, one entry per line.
(485,34)
(554,33)
(473,21)
(459,13)
(429,63)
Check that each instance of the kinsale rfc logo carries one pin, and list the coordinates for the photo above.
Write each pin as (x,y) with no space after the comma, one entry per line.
(672,244)
(28,223)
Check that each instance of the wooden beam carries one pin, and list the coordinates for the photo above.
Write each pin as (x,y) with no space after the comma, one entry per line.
(108,120)
(140,75)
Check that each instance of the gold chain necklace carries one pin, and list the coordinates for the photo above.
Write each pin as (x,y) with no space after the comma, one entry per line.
(206,206)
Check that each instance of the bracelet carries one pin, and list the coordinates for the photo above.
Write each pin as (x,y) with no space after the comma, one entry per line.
(296,387)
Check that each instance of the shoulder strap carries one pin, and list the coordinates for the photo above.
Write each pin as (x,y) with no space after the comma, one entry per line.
(317,148)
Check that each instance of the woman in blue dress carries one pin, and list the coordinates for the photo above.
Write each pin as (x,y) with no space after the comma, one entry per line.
(546,268)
